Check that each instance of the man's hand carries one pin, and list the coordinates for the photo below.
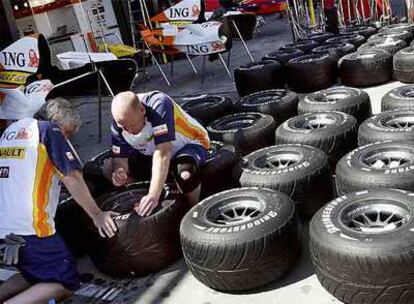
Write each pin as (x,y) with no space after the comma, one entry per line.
(119,177)
(105,224)
(146,205)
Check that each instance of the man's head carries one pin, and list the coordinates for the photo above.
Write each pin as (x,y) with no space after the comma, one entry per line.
(61,112)
(128,112)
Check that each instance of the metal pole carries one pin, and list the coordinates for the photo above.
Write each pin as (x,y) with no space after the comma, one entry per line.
(98,74)
(131,24)
(143,13)
(311,12)
(191,63)
(203,70)
(242,40)
(106,83)
(225,66)
(158,65)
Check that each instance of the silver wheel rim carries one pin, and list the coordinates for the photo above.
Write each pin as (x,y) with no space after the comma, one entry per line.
(315,122)
(409,92)
(382,160)
(377,217)
(333,96)
(402,122)
(235,212)
(278,160)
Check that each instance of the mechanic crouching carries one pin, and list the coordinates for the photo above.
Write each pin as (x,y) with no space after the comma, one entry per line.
(34,158)
(151,134)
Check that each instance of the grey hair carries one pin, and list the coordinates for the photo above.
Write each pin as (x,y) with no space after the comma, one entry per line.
(60,111)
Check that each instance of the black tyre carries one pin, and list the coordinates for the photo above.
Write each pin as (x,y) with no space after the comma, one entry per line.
(311,72)
(320,37)
(353,101)
(335,133)
(207,108)
(305,45)
(241,239)
(379,165)
(280,104)
(258,76)
(398,98)
(358,69)
(284,56)
(300,171)
(336,50)
(245,131)
(93,174)
(354,39)
(403,65)
(398,28)
(387,44)
(366,31)
(361,247)
(392,125)
(142,245)
(217,172)
(71,222)
(403,35)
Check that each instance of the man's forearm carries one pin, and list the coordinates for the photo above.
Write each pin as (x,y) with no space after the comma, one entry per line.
(160,167)
(76,186)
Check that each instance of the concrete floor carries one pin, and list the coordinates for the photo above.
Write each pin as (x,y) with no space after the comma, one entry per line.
(175,285)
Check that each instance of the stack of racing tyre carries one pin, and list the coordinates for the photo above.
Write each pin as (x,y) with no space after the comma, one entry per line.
(278,160)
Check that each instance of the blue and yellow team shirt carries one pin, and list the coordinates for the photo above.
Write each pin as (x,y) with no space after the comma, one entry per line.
(34,155)
(168,123)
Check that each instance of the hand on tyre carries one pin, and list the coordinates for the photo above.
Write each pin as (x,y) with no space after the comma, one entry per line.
(105,224)
(146,205)
(119,177)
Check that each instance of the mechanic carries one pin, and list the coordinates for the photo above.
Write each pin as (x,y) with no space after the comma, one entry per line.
(148,132)
(34,158)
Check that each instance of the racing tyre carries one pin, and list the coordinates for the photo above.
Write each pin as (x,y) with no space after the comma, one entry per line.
(71,222)
(378,165)
(93,174)
(335,133)
(258,76)
(398,28)
(312,72)
(392,125)
(403,35)
(366,31)
(354,39)
(247,132)
(361,246)
(217,171)
(387,44)
(241,239)
(336,50)
(398,98)
(353,101)
(280,104)
(403,65)
(365,68)
(143,245)
(306,45)
(284,56)
(206,108)
(300,171)
(320,37)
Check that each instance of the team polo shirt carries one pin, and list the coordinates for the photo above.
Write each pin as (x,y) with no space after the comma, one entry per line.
(169,123)
(34,155)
